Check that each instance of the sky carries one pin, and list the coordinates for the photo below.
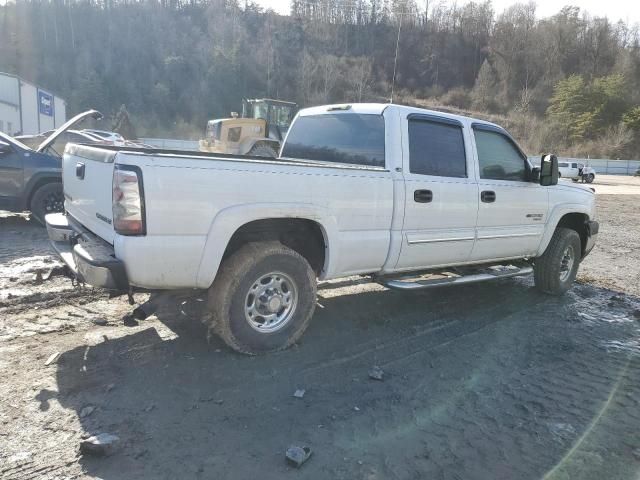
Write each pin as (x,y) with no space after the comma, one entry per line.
(627,10)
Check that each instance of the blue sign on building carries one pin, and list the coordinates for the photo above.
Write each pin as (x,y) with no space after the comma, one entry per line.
(45,103)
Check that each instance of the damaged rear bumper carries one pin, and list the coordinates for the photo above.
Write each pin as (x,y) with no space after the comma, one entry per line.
(90,258)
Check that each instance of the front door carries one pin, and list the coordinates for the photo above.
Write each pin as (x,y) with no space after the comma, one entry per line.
(11,176)
(512,211)
(441,193)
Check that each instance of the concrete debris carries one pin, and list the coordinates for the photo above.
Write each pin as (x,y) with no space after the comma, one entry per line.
(217,401)
(101,444)
(296,455)
(376,373)
(53,358)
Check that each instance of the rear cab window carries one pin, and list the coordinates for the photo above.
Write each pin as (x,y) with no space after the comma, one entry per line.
(345,138)
(436,147)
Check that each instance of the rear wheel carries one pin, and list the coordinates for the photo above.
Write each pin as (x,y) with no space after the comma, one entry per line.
(47,199)
(556,269)
(263,150)
(262,299)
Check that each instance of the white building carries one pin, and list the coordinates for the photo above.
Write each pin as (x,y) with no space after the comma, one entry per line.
(27,109)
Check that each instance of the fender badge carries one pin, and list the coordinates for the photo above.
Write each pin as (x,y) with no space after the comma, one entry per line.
(103,218)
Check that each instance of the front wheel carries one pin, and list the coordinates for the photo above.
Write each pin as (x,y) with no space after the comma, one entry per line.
(590,178)
(262,299)
(263,150)
(556,269)
(47,199)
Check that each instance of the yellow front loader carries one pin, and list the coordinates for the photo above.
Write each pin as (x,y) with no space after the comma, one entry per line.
(259,132)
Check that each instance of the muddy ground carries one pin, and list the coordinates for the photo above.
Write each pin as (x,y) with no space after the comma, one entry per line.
(493,381)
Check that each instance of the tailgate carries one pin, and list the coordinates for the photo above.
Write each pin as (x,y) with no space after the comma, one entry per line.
(87,176)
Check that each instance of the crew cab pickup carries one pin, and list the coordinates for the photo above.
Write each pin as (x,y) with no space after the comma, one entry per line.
(411,197)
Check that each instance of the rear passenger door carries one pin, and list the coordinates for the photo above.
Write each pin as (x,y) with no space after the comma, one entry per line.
(512,210)
(441,193)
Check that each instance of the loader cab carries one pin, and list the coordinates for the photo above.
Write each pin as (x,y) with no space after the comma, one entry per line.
(277,113)
(214,128)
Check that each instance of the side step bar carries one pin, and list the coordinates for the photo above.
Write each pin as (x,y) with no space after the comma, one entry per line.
(410,282)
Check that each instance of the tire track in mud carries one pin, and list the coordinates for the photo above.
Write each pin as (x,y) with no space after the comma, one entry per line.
(31,470)
(528,410)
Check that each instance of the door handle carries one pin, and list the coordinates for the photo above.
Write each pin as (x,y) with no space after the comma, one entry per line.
(423,196)
(488,196)
(80,170)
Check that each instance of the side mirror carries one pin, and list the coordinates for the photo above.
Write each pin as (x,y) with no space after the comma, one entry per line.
(535,174)
(5,148)
(548,170)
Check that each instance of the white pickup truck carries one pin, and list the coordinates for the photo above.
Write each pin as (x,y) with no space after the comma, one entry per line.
(576,171)
(414,198)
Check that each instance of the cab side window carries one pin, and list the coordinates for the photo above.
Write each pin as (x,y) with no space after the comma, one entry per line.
(436,148)
(498,157)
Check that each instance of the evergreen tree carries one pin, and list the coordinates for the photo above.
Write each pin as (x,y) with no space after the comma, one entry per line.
(484,90)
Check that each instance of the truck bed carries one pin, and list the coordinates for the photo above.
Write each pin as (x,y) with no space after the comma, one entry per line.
(195,201)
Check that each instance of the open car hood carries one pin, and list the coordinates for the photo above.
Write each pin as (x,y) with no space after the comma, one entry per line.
(70,123)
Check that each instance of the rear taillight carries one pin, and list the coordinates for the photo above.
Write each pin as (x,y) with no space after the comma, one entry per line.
(128,201)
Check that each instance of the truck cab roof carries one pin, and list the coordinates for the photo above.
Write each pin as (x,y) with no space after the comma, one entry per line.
(380,108)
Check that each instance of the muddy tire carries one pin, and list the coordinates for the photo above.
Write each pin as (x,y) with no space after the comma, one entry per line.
(590,178)
(47,199)
(555,270)
(262,299)
(262,150)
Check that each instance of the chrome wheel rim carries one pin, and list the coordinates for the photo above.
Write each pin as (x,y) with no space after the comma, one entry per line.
(271,302)
(566,263)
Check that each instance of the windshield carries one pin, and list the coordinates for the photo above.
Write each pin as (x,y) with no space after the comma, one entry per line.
(280,115)
(6,138)
(261,110)
(96,133)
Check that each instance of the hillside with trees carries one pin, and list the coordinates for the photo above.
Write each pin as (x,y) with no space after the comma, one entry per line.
(569,83)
